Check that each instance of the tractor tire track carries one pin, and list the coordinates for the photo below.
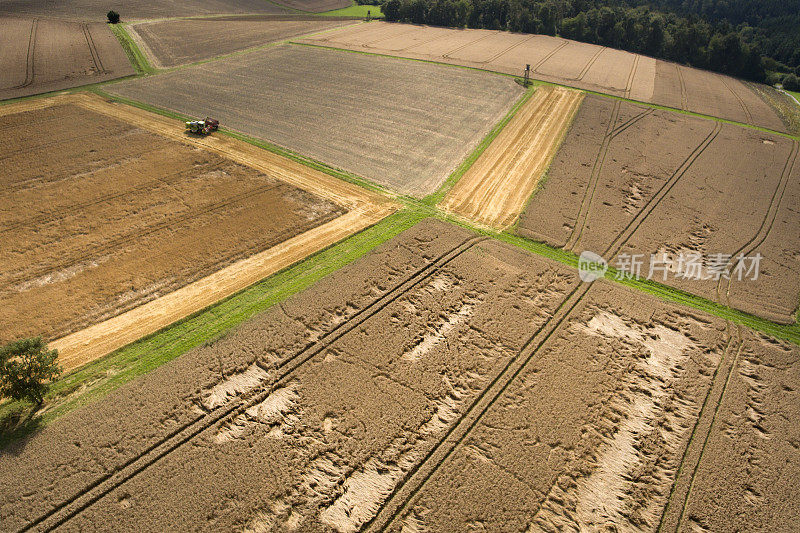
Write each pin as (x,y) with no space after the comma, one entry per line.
(684,94)
(632,76)
(589,64)
(494,57)
(585,208)
(651,204)
(459,48)
(749,117)
(98,64)
(693,453)
(419,475)
(766,225)
(548,56)
(125,239)
(93,492)
(29,64)
(56,214)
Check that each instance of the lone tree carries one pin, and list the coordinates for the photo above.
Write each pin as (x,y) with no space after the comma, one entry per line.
(25,368)
(113,17)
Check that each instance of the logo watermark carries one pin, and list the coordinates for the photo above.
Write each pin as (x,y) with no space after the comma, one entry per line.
(679,266)
(591,266)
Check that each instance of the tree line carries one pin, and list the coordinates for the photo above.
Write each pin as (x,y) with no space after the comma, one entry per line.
(698,33)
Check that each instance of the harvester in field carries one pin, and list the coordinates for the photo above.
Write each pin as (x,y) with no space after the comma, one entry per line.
(202,127)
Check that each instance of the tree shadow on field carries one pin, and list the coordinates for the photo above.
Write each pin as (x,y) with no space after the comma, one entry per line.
(17,426)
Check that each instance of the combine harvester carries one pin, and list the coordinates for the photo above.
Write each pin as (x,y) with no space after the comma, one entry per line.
(202,127)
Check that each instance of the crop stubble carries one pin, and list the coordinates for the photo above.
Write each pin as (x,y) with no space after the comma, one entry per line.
(104,233)
(41,55)
(336,107)
(495,188)
(572,63)
(660,183)
(168,43)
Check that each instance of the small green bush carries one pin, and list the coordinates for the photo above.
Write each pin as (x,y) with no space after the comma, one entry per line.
(791,83)
(113,17)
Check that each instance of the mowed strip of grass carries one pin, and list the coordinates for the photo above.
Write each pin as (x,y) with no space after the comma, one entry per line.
(355,11)
(135,55)
(96,379)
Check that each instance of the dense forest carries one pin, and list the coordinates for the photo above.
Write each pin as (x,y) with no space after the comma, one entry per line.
(754,39)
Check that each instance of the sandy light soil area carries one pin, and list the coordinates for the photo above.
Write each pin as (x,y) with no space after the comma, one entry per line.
(39,55)
(580,65)
(111,229)
(494,190)
(444,382)
(403,124)
(168,43)
(662,184)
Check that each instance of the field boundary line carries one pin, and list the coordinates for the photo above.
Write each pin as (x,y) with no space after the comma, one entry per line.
(419,475)
(454,177)
(191,429)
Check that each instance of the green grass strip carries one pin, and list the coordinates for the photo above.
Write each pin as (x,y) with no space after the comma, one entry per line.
(137,58)
(98,378)
(458,173)
(355,10)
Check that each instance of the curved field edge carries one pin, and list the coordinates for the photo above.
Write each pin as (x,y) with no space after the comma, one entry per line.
(94,380)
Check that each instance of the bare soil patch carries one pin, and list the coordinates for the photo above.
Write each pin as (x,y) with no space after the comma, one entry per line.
(495,188)
(169,43)
(581,65)
(38,55)
(403,124)
(107,226)
(659,183)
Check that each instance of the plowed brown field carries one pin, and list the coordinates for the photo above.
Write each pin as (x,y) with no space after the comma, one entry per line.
(132,209)
(444,382)
(494,190)
(660,183)
(581,65)
(41,55)
(169,43)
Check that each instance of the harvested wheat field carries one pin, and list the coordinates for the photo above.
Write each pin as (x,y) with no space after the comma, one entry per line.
(572,63)
(131,209)
(494,190)
(335,107)
(169,43)
(633,180)
(40,55)
(443,381)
